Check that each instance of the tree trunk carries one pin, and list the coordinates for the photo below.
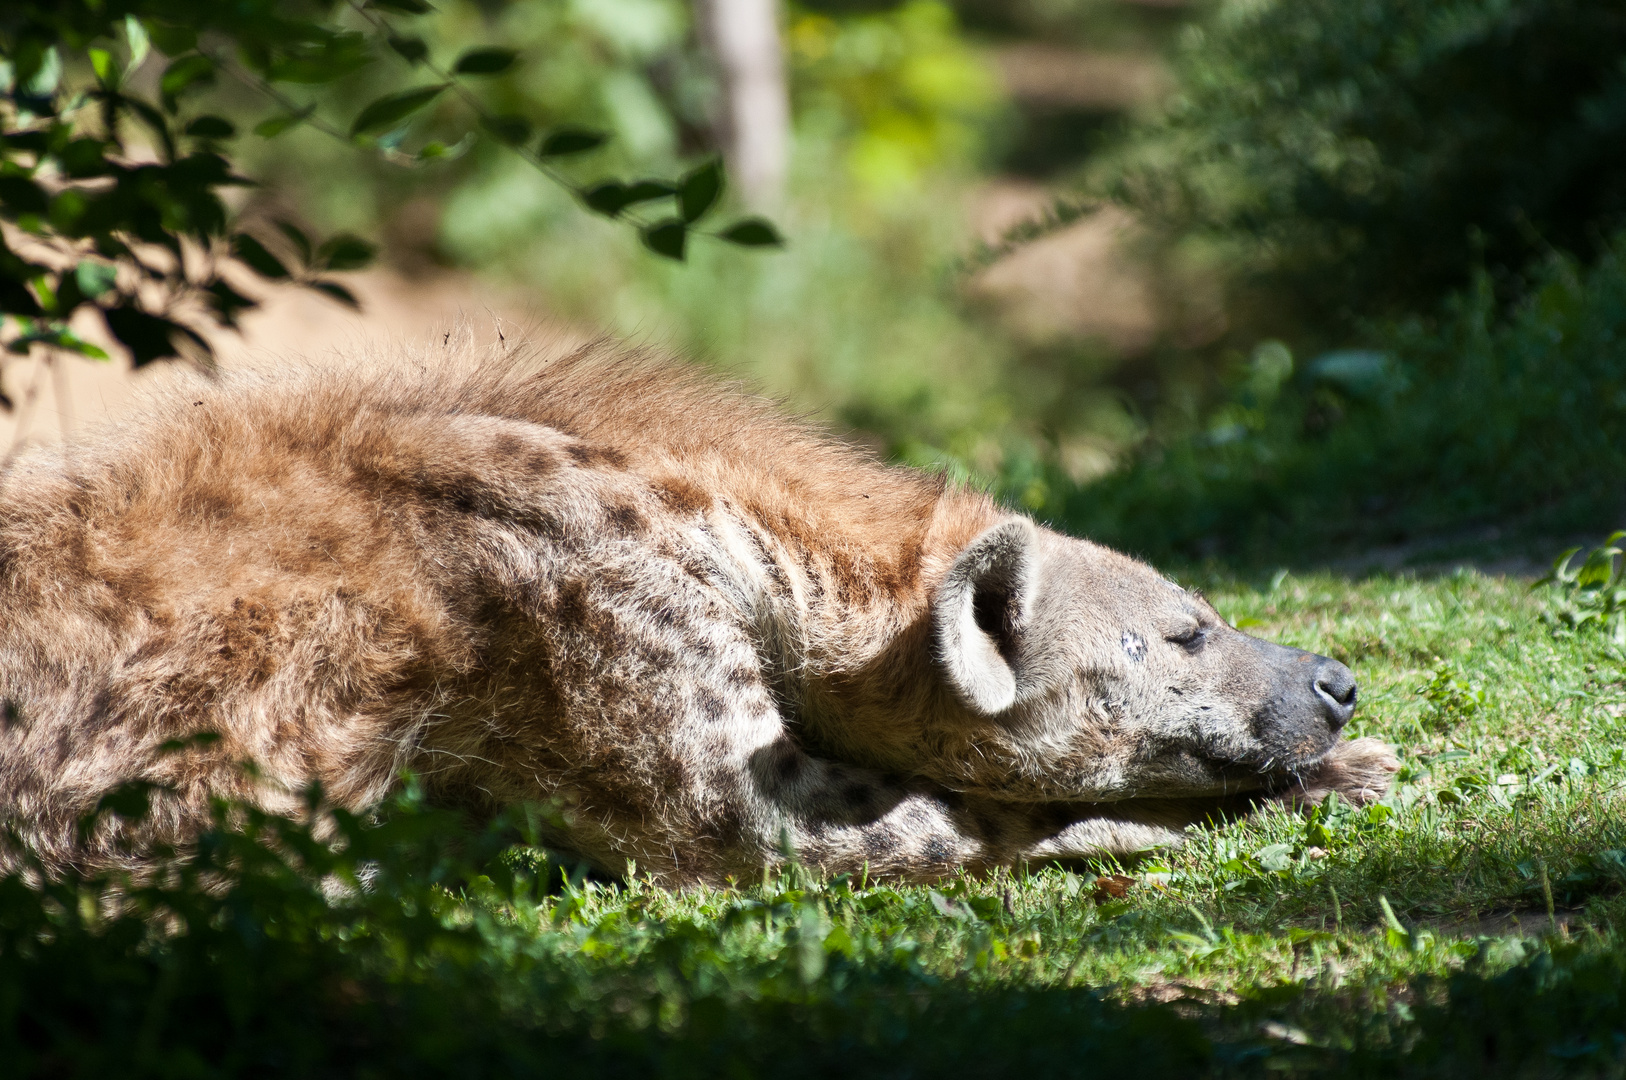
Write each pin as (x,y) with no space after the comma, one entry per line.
(743,38)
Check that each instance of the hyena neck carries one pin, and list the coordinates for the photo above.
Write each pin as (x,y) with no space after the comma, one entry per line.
(843,627)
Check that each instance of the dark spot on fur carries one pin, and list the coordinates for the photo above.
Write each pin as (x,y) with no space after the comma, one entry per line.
(682,496)
(743,677)
(937,852)
(508,445)
(571,606)
(540,462)
(626,519)
(859,797)
(712,706)
(880,845)
(589,456)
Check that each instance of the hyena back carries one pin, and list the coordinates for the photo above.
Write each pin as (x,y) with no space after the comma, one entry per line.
(705,630)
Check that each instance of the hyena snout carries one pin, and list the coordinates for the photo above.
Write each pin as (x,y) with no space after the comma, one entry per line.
(1311,700)
(1334,688)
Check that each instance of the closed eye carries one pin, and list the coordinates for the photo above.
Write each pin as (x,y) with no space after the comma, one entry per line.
(1190,638)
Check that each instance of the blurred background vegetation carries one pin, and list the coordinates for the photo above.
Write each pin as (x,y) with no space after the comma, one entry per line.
(1265,282)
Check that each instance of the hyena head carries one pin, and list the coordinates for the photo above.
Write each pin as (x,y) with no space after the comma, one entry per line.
(1083,674)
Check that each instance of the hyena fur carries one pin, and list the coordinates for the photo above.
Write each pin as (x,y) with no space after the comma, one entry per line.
(705,631)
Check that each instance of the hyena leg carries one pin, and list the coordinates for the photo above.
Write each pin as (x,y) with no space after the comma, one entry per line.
(843,818)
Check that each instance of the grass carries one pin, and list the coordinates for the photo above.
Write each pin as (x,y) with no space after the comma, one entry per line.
(1369,941)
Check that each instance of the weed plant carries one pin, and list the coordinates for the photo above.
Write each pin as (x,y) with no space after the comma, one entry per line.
(1470,924)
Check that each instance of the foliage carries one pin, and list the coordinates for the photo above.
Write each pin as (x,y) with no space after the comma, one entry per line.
(900,88)
(112,184)
(1592,592)
(1359,157)
(1476,417)
(1358,942)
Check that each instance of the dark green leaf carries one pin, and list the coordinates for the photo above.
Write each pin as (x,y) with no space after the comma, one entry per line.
(485,61)
(606,198)
(667,238)
(35,142)
(752,232)
(612,196)
(185,73)
(148,337)
(344,252)
(227,302)
(171,40)
(645,190)
(401,7)
(211,127)
(270,129)
(15,299)
(512,130)
(570,141)
(386,112)
(411,49)
(297,237)
(334,291)
(253,254)
(700,190)
(21,196)
(84,158)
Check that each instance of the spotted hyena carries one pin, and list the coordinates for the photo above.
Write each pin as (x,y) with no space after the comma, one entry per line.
(709,633)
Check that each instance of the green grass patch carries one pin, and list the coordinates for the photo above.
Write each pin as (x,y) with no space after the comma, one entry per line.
(1471,924)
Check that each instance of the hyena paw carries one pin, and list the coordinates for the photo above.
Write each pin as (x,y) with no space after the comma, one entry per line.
(1359,770)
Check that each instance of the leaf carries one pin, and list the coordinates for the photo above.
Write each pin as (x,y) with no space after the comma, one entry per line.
(401,7)
(253,254)
(183,74)
(148,337)
(106,67)
(752,232)
(485,61)
(345,252)
(136,35)
(22,196)
(15,299)
(390,110)
(334,291)
(700,190)
(297,237)
(513,130)
(227,302)
(667,238)
(171,39)
(211,127)
(94,279)
(276,125)
(1111,887)
(612,196)
(954,909)
(562,141)
(410,49)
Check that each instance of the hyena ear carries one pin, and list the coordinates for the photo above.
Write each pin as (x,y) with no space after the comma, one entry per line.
(979,612)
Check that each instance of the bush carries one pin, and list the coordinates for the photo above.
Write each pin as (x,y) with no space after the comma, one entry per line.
(1475,417)
(1360,156)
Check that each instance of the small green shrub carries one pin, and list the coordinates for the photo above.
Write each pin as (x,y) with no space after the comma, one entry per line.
(1592,593)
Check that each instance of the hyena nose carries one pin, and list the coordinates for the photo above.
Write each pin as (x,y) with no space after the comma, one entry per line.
(1335,691)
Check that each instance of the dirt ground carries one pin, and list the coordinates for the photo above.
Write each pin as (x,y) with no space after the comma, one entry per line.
(75,393)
